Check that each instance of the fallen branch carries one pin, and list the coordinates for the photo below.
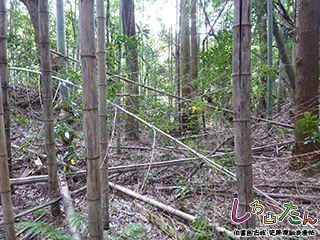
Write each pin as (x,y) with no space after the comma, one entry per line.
(164,207)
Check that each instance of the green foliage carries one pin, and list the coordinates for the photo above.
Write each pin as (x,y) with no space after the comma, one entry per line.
(216,69)
(78,220)
(203,229)
(44,229)
(72,75)
(130,232)
(185,187)
(310,125)
(143,31)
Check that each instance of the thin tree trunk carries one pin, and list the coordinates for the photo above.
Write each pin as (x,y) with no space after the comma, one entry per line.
(103,112)
(90,114)
(263,48)
(5,190)
(108,21)
(118,80)
(307,65)
(194,53)
(270,78)
(185,62)
(61,48)
(177,64)
(241,66)
(44,40)
(129,29)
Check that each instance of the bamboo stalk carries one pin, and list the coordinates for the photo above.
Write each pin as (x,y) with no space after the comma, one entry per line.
(241,78)
(5,190)
(103,136)
(47,104)
(90,115)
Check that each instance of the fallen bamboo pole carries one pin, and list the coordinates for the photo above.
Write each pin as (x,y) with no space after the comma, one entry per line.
(119,169)
(164,207)
(68,206)
(204,158)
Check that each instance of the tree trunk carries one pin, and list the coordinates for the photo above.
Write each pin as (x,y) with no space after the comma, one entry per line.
(129,29)
(90,114)
(44,40)
(241,106)
(194,54)
(307,63)
(177,65)
(5,191)
(185,64)
(103,112)
(263,48)
(270,53)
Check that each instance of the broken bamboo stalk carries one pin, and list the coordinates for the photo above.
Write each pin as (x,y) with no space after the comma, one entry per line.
(164,207)
(68,206)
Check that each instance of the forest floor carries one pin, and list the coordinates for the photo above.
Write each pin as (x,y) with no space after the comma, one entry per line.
(191,187)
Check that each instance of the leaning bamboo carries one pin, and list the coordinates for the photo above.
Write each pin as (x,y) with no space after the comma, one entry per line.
(90,114)
(103,112)
(44,41)
(241,65)
(5,191)
(190,100)
(283,54)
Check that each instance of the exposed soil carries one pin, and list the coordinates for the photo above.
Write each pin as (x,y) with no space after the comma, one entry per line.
(191,187)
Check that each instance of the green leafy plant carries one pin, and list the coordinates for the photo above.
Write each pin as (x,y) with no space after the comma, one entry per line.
(185,186)
(78,220)
(203,230)
(310,125)
(130,232)
(44,229)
